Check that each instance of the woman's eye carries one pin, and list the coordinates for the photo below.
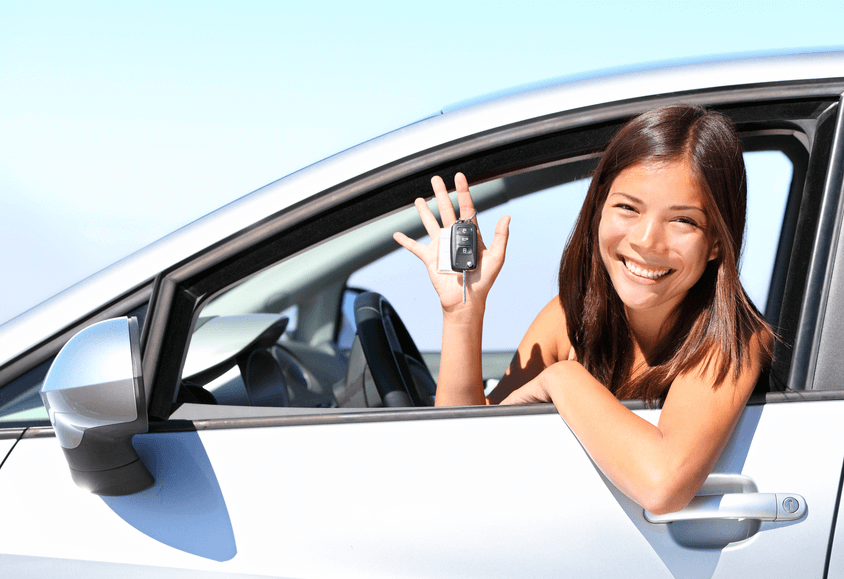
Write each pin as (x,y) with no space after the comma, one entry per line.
(687,221)
(625,207)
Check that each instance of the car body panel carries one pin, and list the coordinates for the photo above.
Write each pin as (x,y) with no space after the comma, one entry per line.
(522,507)
(836,554)
(6,445)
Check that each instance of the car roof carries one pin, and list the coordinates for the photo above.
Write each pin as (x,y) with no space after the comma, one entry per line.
(26,331)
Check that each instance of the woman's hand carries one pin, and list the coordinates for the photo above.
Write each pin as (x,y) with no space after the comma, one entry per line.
(537,390)
(558,375)
(531,393)
(450,286)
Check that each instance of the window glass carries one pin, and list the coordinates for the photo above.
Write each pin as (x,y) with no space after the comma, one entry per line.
(768,181)
(292,315)
(347,330)
(20,400)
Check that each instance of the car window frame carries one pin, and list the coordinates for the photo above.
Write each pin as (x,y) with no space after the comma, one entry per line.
(182,289)
(172,305)
(821,319)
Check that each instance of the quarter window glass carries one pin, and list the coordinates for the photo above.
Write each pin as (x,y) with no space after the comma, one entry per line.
(20,400)
(768,181)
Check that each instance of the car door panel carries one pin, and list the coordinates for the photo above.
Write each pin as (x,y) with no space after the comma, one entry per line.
(489,496)
(836,556)
(517,492)
(6,446)
(422,497)
(68,523)
(33,567)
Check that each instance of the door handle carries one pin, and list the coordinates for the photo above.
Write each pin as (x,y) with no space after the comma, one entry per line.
(734,496)
(761,506)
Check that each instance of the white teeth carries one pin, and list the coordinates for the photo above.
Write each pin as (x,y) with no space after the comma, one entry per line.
(646,273)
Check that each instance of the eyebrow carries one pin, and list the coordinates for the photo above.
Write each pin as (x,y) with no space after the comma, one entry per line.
(672,208)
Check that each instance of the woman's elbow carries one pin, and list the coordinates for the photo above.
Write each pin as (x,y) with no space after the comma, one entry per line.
(664,505)
(664,497)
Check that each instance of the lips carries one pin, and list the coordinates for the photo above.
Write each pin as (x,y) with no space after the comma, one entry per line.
(645,272)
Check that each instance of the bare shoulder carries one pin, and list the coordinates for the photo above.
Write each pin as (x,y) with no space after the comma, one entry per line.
(545,343)
(699,407)
(550,324)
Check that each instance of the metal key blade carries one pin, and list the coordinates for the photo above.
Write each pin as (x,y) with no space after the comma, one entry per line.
(464,286)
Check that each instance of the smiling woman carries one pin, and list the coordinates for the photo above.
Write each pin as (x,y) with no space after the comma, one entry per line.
(653,237)
(685,171)
(650,307)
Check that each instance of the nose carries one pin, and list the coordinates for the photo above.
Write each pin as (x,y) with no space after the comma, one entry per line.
(648,235)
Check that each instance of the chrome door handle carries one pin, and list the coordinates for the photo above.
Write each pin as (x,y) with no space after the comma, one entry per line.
(734,496)
(761,506)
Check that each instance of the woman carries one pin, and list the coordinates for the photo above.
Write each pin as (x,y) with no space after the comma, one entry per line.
(650,306)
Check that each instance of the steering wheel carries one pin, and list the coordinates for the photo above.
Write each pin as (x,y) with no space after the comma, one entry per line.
(398,370)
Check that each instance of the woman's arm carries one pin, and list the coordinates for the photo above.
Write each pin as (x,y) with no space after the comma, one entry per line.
(662,466)
(460,380)
(545,343)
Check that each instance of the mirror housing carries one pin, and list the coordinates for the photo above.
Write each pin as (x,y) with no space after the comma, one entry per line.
(94,396)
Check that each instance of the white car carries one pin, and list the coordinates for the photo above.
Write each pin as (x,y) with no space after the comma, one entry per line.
(231,402)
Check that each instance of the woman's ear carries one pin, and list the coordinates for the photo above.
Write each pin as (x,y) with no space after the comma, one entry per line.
(716,250)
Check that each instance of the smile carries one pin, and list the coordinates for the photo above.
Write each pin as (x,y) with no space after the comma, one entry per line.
(645,272)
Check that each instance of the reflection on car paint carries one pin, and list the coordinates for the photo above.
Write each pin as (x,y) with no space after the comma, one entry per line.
(185,508)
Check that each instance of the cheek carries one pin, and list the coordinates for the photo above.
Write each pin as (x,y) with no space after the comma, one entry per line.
(604,240)
(610,233)
(697,254)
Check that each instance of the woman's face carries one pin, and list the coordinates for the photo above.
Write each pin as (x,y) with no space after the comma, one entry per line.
(654,237)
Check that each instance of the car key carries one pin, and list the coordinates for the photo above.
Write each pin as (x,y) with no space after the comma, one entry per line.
(464,248)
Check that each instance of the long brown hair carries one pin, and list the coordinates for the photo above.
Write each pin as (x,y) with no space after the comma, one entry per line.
(716,321)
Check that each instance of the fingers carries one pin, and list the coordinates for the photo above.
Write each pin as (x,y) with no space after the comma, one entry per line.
(464,198)
(428,219)
(502,234)
(443,201)
(409,244)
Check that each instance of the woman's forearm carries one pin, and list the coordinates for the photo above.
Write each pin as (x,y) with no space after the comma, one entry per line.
(659,466)
(629,450)
(460,381)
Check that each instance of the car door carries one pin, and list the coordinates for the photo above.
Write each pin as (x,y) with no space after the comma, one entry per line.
(452,491)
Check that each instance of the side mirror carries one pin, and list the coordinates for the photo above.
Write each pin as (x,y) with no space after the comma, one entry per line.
(94,395)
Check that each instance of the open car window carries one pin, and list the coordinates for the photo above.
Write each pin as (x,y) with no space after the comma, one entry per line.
(310,290)
(306,299)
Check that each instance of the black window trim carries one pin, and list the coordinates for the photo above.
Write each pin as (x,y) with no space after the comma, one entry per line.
(822,264)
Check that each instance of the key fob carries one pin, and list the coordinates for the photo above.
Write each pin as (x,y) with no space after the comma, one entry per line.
(464,246)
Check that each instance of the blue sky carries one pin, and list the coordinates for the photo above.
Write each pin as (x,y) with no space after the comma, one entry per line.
(122,121)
